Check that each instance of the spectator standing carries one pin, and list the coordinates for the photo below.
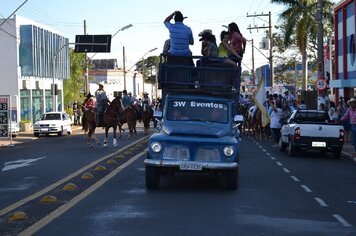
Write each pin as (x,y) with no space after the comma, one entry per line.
(351,115)
(75,109)
(275,124)
(181,36)
(290,100)
(332,112)
(342,108)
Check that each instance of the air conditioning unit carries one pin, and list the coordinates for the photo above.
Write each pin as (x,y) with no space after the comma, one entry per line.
(39,84)
(26,84)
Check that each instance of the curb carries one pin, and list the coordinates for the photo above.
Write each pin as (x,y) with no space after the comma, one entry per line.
(349,156)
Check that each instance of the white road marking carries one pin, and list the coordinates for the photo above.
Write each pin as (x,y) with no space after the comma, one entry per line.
(264,150)
(273,158)
(342,221)
(295,178)
(306,188)
(321,202)
(278,163)
(286,170)
(11,165)
(268,154)
(351,202)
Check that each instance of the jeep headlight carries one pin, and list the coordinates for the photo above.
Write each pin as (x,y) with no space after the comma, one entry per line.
(228,151)
(156,147)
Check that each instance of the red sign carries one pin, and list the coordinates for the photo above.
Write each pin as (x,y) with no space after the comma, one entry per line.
(321,84)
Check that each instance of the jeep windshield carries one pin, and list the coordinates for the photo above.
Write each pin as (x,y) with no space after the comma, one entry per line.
(197,110)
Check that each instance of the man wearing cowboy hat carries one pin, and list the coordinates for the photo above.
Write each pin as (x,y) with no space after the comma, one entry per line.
(101,103)
(290,100)
(350,114)
(180,35)
(146,99)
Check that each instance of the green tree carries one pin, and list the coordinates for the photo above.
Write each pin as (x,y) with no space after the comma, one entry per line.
(299,27)
(150,68)
(74,86)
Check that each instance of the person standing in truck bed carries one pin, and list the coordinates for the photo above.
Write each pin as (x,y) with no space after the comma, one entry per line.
(181,36)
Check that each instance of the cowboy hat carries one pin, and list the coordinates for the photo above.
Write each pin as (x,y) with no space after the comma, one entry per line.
(205,31)
(145,93)
(101,84)
(351,100)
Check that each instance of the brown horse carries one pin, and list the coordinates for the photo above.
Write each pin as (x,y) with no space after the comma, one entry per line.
(129,116)
(89,125)
(111,119)
(147,114)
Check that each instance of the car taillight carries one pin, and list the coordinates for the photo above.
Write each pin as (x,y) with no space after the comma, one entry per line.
(297,133)
(341,135)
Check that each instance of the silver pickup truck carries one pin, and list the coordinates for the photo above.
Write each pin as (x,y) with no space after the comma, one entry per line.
(311,130)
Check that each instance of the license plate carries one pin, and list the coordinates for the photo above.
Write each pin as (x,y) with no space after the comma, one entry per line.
(318,144)
(190,166)
(44,129)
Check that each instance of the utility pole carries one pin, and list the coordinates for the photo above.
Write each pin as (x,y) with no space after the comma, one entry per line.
(270,42)
(123,65)
(86,75)
(253,63)
(319,18)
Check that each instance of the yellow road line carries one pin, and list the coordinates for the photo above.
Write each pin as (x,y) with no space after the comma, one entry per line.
(62,209)
(62,181)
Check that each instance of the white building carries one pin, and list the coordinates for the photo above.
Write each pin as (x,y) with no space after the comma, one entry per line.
(34,58)
(106,71)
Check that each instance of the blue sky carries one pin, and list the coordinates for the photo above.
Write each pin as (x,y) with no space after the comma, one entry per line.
(148,31)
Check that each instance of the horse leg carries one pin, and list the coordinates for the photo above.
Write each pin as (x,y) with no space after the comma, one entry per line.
(114,139)
(106,137)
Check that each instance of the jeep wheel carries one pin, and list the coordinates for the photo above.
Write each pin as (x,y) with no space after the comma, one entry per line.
(291,149)
(232,179)
(282,146)
(152,177)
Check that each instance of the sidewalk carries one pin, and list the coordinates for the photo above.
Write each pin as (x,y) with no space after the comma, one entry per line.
(23,137)
(348,152)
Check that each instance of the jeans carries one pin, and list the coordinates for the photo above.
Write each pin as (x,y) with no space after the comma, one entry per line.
(276,133)
(353,133)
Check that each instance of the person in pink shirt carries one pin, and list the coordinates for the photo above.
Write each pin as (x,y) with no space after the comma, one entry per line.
(350,114)
(237,41)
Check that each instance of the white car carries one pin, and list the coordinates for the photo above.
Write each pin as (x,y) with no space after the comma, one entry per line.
(14,128)
(53,123)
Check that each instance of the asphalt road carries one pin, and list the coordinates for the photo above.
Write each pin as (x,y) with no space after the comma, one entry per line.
(311,194)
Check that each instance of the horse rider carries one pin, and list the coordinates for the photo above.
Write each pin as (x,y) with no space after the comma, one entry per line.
(101,103)
(88,105)
(126,100)
(146,101)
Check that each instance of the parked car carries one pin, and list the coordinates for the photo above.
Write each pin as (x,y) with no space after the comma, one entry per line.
(53,123)
(311,130)
(14,128)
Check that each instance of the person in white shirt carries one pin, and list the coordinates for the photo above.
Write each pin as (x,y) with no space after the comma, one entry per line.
(275,124)
(290,99)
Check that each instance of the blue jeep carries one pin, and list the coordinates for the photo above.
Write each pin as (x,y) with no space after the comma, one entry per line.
(198,128)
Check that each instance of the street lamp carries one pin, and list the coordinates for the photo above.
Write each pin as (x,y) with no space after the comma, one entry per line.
(143,68)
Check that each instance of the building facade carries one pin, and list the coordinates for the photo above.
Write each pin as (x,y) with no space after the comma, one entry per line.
(36,62)
(344,81)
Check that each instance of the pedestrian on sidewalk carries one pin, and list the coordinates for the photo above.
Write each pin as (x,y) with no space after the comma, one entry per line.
(350,114)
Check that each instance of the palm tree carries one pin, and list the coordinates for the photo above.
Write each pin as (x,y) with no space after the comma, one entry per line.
(300,27)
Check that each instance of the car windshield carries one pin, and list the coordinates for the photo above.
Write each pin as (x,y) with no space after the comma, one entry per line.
(51,116)
(198,110)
